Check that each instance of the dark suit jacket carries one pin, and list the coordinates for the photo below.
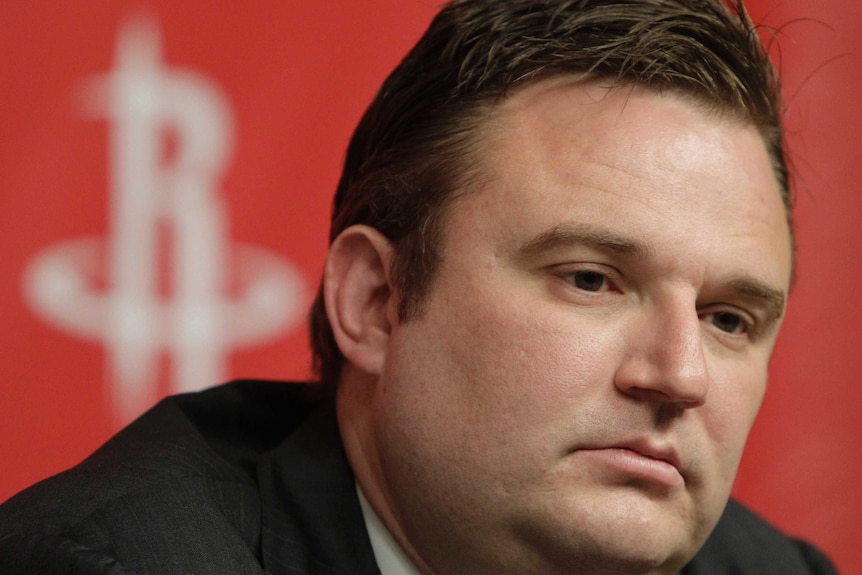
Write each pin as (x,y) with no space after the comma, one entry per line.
(251,478)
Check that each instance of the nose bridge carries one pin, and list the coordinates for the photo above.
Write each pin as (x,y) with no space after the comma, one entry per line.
(666,360)
(685,354)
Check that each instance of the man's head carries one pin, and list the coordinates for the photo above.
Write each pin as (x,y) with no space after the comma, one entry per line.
(414,147)
(555,284)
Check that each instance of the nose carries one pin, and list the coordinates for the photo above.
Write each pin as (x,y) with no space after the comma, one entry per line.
(664,360)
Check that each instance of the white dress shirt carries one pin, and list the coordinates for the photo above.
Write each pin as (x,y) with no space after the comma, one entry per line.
(391,559)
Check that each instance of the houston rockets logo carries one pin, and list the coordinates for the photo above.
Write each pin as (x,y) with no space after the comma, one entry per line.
(165,280)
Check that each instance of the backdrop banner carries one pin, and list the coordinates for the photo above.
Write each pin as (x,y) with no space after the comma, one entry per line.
(166,175)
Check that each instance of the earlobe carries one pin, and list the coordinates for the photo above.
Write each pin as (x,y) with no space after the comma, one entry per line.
(358,295)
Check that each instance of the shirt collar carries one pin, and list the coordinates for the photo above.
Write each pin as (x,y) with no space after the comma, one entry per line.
(391,559)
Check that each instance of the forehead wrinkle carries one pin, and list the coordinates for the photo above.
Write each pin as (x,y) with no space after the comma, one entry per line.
(614,191)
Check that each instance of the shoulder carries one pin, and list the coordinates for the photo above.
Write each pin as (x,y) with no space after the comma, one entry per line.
(188,462)
(743,542)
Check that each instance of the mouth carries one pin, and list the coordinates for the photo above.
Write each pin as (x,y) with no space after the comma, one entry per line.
(640,460)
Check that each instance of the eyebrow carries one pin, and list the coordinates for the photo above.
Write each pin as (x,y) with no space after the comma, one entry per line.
(563,236)
(579,235)
(754,288)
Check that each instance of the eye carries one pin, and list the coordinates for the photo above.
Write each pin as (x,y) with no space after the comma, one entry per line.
(729,322)
(589,280)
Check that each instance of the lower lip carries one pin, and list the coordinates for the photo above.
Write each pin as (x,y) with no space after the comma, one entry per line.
(634,465)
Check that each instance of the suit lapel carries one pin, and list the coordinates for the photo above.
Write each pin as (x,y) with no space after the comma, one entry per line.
(312,521)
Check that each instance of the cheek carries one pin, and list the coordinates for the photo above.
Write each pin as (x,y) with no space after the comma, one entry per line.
(534,349)
(734,402)
(494,381)
(517,371)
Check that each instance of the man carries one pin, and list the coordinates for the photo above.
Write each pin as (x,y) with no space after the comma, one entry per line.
(560,257)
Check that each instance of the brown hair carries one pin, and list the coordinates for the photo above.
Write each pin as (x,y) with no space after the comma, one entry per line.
(412,149)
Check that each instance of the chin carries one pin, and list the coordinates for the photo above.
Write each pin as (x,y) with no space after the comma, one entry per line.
(629,534)
(622,555)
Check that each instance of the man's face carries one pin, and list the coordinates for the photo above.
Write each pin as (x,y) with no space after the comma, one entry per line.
(580,384)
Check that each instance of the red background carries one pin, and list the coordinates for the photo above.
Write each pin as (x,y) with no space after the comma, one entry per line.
(298,76)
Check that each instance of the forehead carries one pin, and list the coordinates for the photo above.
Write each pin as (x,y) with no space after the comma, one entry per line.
(660,166)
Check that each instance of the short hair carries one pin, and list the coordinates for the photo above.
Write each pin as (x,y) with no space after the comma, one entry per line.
(413,148)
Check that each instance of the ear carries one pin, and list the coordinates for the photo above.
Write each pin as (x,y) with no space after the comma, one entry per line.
(359,296)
